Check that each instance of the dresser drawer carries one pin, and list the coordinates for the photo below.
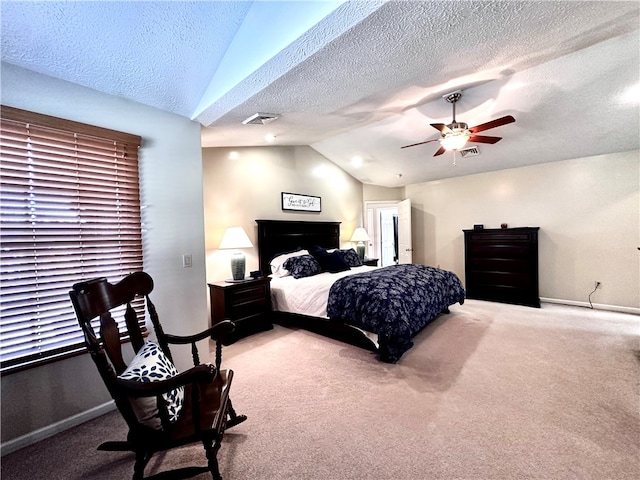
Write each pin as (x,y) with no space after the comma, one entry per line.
(500,236)
(501,279)
(488,264)
(499,250)
(505,294)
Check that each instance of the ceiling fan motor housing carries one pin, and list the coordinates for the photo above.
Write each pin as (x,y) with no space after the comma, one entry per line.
(456,126)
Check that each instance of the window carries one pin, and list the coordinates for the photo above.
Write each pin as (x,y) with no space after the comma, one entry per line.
(70,211)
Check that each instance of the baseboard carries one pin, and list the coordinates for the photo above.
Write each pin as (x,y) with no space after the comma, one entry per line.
(596,306)
(50,430)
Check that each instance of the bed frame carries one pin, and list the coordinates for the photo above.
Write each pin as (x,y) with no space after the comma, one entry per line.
(278,236)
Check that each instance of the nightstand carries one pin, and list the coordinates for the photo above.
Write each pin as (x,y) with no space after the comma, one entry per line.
(247,304)
(371,262)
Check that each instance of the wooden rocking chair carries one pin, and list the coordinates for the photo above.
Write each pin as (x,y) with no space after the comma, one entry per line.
(187,407)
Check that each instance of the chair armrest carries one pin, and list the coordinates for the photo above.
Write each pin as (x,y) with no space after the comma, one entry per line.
(200,374)
(218,331)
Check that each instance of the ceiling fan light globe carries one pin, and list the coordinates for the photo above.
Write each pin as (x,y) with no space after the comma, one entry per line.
(454,141)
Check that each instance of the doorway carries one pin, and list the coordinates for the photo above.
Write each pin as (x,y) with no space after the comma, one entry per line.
(388,236)
(388,227)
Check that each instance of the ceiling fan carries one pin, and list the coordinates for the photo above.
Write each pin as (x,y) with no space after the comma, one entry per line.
(455,135)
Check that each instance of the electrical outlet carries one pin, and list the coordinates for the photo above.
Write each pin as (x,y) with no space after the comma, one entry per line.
(597,285)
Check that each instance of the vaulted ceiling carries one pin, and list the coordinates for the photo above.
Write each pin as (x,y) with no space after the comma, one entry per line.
(358,78)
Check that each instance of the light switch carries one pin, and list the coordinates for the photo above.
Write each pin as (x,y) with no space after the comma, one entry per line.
(186,261)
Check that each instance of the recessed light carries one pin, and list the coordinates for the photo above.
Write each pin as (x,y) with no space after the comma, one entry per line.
(270,137)
(631,95)
(356,161)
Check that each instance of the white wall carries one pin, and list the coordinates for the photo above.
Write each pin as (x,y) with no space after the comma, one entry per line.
(238,192)
(171,189)
(588,211)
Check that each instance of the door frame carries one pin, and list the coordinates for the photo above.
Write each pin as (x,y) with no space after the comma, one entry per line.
(372,224)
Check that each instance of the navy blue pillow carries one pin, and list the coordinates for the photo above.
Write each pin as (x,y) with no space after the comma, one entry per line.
(351,258)
(302,266)
(330,262)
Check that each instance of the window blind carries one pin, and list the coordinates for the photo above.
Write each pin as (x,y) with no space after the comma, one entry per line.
(70,211)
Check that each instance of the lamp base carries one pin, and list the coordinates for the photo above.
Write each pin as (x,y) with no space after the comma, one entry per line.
(360,250)
(238,264)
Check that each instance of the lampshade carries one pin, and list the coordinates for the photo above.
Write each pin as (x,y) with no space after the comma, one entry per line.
(235,238)
(360,235)
(454,140)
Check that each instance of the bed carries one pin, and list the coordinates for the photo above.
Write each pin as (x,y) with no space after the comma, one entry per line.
(380,308)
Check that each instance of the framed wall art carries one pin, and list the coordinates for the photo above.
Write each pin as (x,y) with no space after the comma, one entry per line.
(301,203)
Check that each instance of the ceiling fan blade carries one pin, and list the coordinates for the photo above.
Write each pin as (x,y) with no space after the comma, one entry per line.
(492,124)
(421,143)
(440,151)
(483,139)
(441,127)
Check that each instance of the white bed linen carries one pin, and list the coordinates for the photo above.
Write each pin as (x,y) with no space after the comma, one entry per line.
(309,295)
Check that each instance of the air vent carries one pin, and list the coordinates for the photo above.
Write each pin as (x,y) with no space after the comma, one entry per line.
(469,152)
(260,119)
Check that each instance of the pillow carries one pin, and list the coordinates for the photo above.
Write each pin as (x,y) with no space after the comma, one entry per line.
(351,258)
(330,262)
(151,365)
(302,266)
(277,263)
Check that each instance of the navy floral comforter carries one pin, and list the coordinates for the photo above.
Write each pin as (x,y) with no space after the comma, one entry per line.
(395,302)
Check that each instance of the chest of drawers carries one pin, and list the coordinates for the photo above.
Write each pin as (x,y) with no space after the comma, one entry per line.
(501,265)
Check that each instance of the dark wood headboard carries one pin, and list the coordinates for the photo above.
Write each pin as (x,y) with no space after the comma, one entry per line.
(278,236)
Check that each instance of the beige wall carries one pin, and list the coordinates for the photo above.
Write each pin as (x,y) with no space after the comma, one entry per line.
(171,188)
(588,211)
(374,193)
(239,191)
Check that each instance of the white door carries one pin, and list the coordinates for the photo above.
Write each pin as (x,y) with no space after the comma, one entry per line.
(405,248)
(387,236)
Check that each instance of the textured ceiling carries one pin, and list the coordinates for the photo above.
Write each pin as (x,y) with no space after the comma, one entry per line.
(359,78)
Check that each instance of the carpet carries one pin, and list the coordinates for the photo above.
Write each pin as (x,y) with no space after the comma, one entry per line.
(489,391)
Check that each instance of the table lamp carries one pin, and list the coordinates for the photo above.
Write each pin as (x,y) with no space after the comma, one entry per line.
(236,238)
(360,235)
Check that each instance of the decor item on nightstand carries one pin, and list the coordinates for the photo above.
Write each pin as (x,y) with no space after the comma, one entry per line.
(360,235)
(236,238)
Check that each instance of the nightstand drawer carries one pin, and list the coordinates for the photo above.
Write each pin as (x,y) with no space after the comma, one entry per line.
(248,294)
(247,308)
